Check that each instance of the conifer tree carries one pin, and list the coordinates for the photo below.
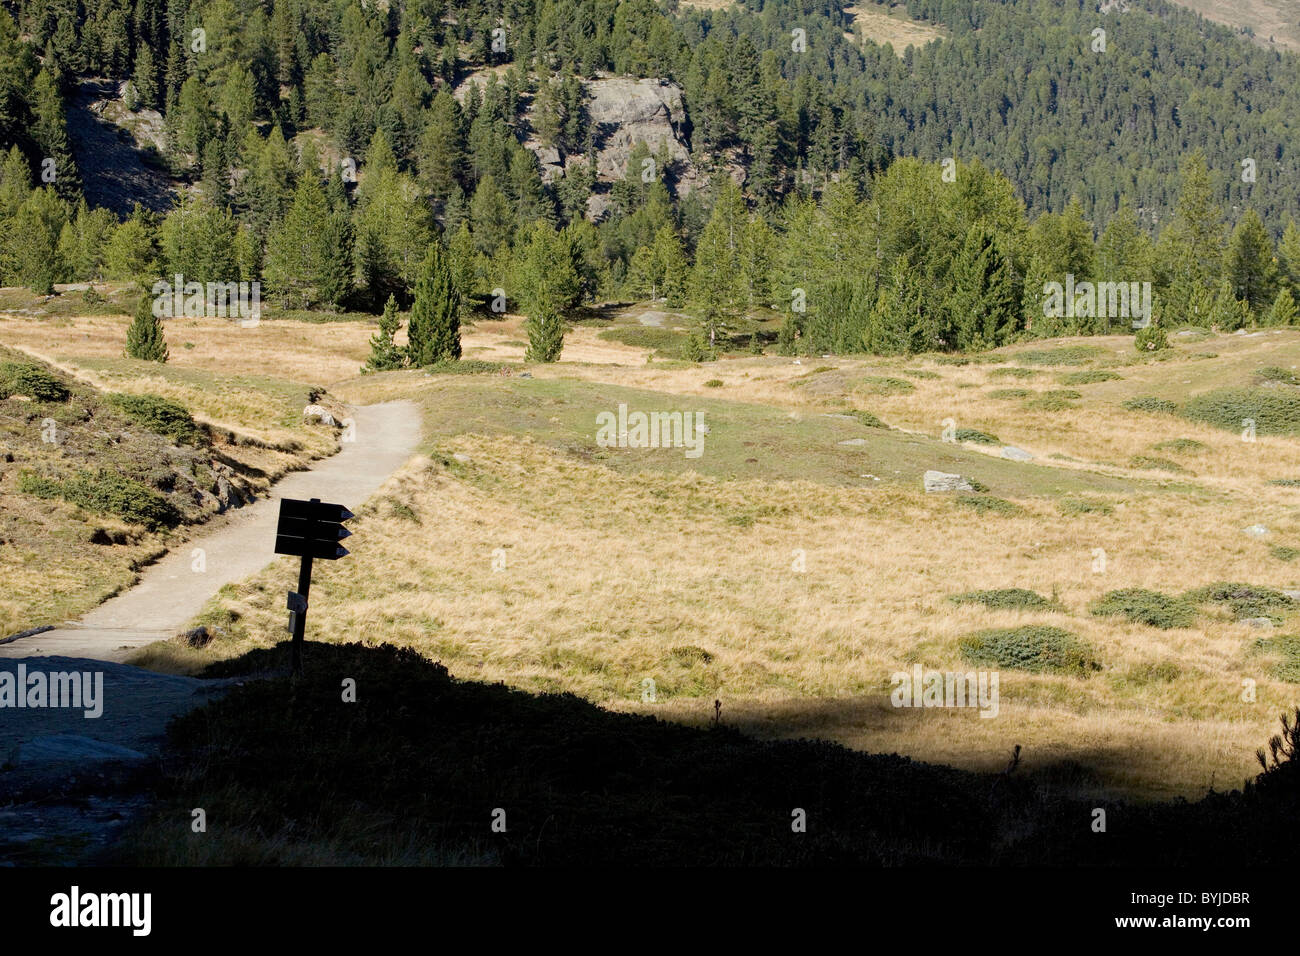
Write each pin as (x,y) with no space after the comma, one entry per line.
(384,353)
(144,337)
(1283,312)
(433,331)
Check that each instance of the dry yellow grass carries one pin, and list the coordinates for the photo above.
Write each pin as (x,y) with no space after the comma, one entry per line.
(891,25)
(604,581)
(611,578)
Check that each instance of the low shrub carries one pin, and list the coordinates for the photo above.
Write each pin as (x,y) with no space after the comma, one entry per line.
(1286,647)
(1012,371)
(1274,412)
(106,492)
(31,381)
(1180,445)
(1151,462)
(1146,607)
(1090,377)
(1244,600)
(1053,401)
(987,504)
(1149,403)
(1008,393)
(161,416)
(1284,552)
(1064,355)
(979,437)
(1033,647)
(1151,339)
(1006,599)
(883,385)
(1274,373)
(464,367)
(868,419)
(1083,506)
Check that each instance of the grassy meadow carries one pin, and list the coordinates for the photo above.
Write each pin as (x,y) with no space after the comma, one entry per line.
(794,566)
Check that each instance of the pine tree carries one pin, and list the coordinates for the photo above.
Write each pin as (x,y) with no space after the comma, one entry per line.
(1250,263)
(51,135)
(433,331)
(144,337)
(1283,312)
(717,285)
(384,354)
(552,286)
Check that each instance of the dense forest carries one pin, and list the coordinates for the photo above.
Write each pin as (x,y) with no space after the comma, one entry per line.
(879,202)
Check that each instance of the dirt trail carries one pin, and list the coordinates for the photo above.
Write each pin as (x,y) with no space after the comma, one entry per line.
(171,591)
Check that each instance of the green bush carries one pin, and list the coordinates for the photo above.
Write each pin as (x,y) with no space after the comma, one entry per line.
(868,419)
(1149,403)
(464,367)
(979,437)
(1287,648)
(1006,599)
(1012,371)
(987,504)
(1007,393)
(1065,355)
(1284,552)
(1090,377)
(1082,506)
(921,373)
(106,492)
(1244,600)
(713,383)
(1033,647)
(31,381)
(1151,339)
(1286,482)
(1153,463)
(883,385)
(161,416)
(1274,373)
(1180,445)
(1146,607)
(1053,401)
(1274,412)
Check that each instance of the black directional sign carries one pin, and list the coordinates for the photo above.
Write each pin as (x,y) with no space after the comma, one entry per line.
(308,529)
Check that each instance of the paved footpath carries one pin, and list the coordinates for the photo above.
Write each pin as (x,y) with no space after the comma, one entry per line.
(169,593)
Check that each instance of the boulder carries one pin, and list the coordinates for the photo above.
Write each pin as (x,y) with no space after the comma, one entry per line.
(942,481)
(1256,531)
(1016,454)
(317,413)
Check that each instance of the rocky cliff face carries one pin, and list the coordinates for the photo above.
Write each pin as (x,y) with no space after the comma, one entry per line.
(624,111)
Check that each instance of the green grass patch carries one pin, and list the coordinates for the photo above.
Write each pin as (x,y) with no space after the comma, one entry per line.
(666,343)
(1010,393)
(1033,647)
(1284,552)
(464,367)
(1180,445)
(1012,371)
(868,419)
(1146,607)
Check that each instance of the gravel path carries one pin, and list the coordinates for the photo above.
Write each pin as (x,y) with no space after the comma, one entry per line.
(170,592)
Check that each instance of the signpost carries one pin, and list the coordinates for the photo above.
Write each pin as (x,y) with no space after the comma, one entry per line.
(308,529)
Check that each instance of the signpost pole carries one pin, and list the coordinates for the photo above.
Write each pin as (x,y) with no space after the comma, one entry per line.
(300,618)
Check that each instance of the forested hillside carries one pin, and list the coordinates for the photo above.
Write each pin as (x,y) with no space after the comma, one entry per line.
(321,147)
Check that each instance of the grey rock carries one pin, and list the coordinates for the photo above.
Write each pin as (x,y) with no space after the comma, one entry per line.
(317,413)
(856,442)
(1264,623)
(1256,531)
(1016,454)
(942,481)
